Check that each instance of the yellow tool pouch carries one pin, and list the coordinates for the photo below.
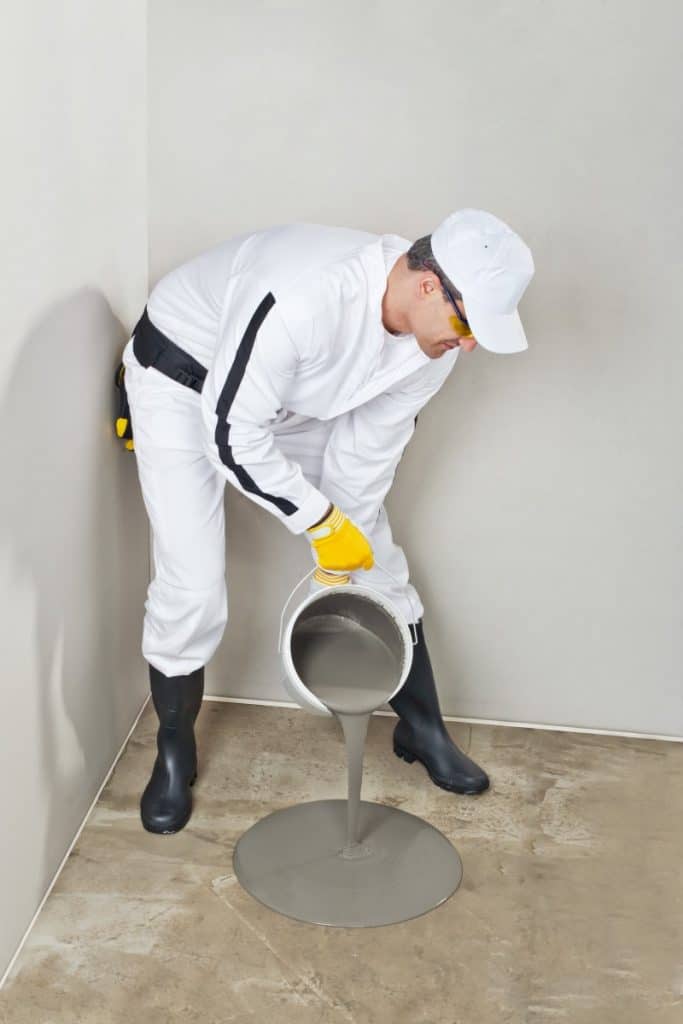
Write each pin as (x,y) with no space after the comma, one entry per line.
(124,425)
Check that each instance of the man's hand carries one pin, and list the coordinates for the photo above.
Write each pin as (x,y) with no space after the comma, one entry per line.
(339,544)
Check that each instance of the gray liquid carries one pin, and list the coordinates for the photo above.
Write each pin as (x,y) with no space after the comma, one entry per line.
(291,861)
(355,730)
(353,672)
(348,667)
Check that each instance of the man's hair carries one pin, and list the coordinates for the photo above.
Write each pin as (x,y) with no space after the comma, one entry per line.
(421,257)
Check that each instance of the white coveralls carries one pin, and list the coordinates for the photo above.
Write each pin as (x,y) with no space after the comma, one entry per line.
(308,400)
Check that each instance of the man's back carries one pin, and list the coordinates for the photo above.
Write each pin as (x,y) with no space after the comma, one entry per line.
(187,303)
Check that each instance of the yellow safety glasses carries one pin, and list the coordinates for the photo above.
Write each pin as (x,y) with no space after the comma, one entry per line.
(458,322)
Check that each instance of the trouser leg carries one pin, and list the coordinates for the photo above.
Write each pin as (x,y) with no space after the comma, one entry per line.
(395,583)
(186,609)
(391,556)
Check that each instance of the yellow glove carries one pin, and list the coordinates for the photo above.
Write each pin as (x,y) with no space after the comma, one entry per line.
(339,544)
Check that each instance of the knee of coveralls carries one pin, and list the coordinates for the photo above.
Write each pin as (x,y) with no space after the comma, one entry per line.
(186,609)
(183,627)
(391,556)
(304,441)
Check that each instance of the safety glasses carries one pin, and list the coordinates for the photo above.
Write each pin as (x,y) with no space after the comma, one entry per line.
(458,322)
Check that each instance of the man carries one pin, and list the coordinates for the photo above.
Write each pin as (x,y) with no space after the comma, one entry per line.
(293,362)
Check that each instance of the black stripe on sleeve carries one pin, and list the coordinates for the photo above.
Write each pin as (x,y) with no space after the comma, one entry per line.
(227,396)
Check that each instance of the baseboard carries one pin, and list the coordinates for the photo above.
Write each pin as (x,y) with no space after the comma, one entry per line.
(472,721)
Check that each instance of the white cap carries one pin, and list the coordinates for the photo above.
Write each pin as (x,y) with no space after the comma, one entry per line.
(490,266)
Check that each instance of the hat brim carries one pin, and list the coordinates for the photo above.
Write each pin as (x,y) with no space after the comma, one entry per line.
(497,332)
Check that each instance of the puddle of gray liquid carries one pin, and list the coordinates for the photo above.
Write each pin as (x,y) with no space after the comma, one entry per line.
(295,860)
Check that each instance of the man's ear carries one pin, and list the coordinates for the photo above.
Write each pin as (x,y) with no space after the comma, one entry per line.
(427,285)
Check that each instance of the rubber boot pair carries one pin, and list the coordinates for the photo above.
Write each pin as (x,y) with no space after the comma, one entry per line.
(421,734)
(166,804)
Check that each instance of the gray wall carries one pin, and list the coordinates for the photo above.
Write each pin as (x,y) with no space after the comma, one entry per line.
(73,537)
(539,501)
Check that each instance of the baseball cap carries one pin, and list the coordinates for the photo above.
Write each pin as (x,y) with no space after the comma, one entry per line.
(491,267)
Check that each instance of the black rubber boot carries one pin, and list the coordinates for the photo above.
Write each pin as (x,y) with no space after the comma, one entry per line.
(166,804)
(421,733)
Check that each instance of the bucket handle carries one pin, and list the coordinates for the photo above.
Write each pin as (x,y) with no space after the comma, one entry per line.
(412,626)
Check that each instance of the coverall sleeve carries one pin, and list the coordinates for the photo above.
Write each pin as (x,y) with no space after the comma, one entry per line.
(243,392)
(366,445)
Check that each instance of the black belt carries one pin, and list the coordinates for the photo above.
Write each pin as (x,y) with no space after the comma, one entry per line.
(153,348)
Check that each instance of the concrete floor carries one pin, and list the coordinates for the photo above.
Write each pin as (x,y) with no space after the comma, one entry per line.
(570,909)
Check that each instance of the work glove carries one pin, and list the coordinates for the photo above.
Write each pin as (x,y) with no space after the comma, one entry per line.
(124,427)
(339,544)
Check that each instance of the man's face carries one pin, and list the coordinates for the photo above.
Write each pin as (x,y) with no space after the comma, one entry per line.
(431,319)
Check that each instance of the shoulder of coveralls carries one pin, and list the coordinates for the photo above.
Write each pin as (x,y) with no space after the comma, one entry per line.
(315,304)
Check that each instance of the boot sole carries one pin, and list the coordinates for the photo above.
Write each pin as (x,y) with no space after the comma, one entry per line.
(406,755)
(165,831)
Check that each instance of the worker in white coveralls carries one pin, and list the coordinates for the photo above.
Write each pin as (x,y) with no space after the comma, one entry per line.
(293,363)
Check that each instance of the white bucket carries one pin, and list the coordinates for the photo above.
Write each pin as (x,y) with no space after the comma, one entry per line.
(361,604)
